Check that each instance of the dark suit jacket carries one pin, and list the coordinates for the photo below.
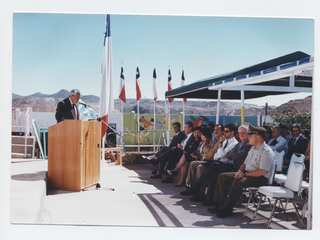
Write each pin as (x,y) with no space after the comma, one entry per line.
(238,154)
(177,139)
(192,144)
(65,110)
(299,147)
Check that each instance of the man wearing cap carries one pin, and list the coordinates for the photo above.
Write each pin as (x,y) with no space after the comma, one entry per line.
(67,108)
(254,172)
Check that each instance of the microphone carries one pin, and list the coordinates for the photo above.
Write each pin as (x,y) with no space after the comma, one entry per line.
(85,105)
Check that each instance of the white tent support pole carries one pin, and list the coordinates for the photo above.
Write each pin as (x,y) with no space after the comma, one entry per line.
(242,107)
(218,105)
(291,80)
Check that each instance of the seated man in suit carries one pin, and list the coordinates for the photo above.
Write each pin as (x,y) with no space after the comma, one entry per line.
(67,108)
(254,172)
(172,156)
(278,143)
(285,134)
(297,144)
(177,139)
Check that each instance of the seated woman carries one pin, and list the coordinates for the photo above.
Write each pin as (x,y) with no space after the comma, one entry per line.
(186,158)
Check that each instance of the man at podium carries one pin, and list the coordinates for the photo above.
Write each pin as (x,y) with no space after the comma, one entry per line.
(67,108)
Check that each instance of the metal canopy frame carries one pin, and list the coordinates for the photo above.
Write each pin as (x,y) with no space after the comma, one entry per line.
(293,71)
(290,73)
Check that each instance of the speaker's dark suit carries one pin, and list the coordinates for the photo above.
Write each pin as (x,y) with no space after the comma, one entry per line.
(65,110)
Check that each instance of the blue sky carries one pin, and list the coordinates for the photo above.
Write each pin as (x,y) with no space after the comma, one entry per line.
(64,51)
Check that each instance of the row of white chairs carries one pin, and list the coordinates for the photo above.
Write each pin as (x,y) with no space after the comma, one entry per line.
(289,189)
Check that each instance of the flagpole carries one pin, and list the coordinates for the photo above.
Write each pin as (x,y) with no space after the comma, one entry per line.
(154,126)
(169,123)
(184,100)
(122,119)
(138,127)
(165,102)
(183,113)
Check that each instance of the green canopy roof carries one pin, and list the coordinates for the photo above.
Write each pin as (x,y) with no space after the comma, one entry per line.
(200,89)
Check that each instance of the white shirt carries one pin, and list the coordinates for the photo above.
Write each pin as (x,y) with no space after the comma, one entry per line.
(219,155)
(281,144)
(184,142)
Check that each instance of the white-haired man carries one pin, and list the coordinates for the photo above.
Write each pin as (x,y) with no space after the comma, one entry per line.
(67,108)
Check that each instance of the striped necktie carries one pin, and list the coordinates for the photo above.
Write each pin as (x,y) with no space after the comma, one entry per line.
(225,145)
(75,111)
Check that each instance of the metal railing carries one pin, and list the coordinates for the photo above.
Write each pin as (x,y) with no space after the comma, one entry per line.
(23,122)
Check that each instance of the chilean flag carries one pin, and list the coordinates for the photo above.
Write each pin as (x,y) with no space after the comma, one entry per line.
(169,85)
(138,85)
(122,94)
(182,83)
(154,87)
(106,95)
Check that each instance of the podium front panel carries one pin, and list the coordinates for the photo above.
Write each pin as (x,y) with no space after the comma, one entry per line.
(73,155)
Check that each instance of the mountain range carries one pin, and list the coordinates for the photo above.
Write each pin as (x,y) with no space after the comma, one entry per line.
(48,102)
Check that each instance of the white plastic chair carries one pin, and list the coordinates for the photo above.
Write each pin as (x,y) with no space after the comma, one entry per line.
(279,158)
(281,178)
(290,191)
(253,190)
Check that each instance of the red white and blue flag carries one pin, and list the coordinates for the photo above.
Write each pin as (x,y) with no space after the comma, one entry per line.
(154,86)
(182,83)
(122,94)
(138,91)
(169,85)
(106,96)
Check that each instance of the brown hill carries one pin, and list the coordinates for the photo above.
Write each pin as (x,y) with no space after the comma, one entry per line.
(48,103)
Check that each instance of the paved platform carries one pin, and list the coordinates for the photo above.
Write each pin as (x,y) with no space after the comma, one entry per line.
(127,198)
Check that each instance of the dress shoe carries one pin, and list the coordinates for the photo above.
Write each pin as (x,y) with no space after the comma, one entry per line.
(167,180)
(215,209)
(187,192)
(153,157)
(154,171)
(197,198)
(224,213)
(208,203)
(157,175)
(178,185)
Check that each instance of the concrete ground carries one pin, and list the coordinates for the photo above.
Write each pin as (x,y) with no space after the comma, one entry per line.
(127,197)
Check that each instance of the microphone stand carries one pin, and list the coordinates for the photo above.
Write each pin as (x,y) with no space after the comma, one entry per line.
(100,120)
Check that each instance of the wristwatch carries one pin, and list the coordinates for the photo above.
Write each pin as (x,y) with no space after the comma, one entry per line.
(243,174)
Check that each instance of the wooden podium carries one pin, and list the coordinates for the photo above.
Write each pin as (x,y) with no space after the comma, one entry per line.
(74,154)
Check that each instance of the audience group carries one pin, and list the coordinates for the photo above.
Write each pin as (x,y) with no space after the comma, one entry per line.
(215,162)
